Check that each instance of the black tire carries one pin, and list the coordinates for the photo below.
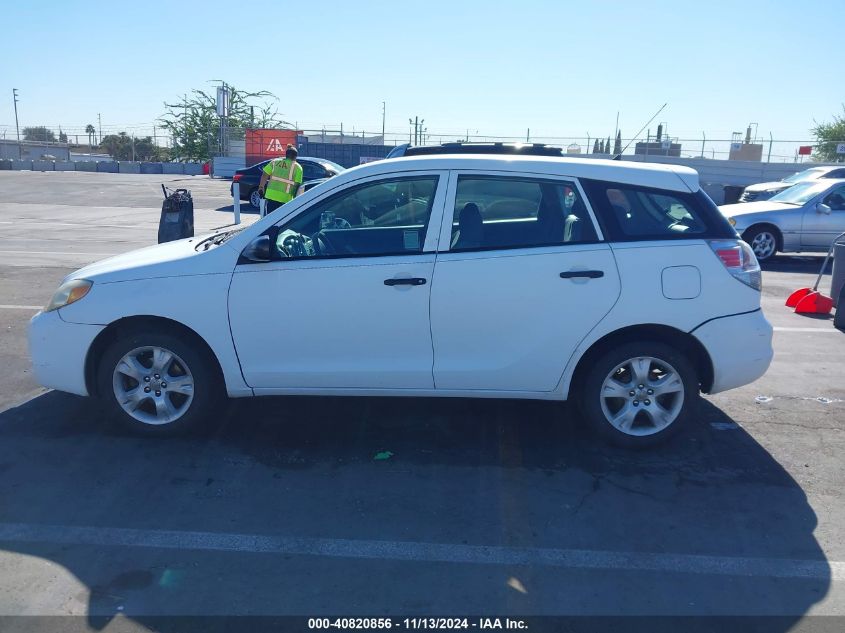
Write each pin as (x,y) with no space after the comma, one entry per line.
(208,389)
(254,196)
(764,234)
(590,398)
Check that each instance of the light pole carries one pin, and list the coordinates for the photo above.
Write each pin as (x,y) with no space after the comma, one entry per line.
(17,129)
(100,127)
(383,110)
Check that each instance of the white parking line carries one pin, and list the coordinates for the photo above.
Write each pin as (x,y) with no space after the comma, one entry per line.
(413,551)
(831,330)
(15,307)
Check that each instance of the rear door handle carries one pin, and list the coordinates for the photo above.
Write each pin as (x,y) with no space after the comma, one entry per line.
(410,281)
(590,274)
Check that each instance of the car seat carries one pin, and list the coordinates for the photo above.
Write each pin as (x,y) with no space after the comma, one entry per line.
(550,223)
(470,233)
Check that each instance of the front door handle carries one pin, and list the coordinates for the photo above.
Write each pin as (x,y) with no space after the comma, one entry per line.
(410,281)
(590,274)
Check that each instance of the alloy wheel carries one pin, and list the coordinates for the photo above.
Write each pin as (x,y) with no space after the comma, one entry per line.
(153,385)
(764,245)
(642,396)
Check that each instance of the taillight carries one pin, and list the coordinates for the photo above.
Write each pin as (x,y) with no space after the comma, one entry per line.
(739,260)
(237,178)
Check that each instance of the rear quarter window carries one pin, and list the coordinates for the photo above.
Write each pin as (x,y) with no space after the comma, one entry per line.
(632,213)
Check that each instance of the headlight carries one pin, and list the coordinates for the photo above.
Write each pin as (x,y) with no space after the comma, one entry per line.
(69,292)
(732,221)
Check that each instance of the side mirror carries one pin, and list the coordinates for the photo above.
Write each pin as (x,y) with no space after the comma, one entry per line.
(258,250)
(821,207)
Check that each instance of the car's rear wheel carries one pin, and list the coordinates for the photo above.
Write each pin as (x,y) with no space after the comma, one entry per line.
(763,241)
(158,384)
(255,199)
(639,394)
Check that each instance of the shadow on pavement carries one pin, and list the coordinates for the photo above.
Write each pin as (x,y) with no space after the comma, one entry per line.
(246,208)
(795,264)
(484,472)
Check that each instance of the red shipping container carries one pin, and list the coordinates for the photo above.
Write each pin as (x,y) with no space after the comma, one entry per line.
(263,144)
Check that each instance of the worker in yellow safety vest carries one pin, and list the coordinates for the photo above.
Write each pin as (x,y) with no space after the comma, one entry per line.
(281,179)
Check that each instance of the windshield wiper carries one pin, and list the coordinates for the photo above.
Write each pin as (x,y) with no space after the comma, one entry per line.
(219,238)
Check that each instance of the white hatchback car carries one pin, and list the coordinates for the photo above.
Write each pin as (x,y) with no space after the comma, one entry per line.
(615,284)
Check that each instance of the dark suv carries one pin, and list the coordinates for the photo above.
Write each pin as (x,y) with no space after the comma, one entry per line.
(312,169)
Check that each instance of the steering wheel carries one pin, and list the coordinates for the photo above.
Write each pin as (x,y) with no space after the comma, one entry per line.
(294,246)
(324,246)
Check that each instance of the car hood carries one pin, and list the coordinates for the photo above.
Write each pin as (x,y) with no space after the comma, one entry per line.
(178,258)
(747,208)
(775,185)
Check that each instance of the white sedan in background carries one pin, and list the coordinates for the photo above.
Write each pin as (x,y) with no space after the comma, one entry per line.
(806,217)
(765,190)
(618,285)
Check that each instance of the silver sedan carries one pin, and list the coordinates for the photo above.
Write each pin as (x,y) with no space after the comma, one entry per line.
(805,217)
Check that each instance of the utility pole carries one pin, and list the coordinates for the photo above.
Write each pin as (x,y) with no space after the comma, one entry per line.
(17,129)
(100,127)
(383,110)
(133,147)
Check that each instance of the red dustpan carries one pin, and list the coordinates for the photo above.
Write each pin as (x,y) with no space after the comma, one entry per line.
(810,300)
(814,303)
(793,299)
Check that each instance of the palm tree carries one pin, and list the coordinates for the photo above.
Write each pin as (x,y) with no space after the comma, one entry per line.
(89,130)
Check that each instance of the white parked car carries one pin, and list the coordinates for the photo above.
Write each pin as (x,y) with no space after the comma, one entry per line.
(615,284)
(765,190)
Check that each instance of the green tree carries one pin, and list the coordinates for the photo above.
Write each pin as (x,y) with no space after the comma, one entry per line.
(124,147)
(617,145)
(195,127)
(90,131)
(828,136)
(62,137)
(596,146)
(39,133)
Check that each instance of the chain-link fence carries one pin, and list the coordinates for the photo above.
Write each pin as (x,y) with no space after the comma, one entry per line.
(219,140)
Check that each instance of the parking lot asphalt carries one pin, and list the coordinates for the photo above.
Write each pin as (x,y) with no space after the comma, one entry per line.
(484,507)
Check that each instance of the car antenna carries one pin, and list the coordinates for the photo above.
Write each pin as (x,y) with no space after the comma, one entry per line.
(619,155)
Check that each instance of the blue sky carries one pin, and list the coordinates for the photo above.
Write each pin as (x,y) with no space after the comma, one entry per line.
(559,68)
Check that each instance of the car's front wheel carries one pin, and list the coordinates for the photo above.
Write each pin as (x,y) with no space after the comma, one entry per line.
(255,198)
(763,242)
(158,384)
(639,393)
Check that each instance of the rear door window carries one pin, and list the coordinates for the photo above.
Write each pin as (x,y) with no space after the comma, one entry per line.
(493,212)
(639,213)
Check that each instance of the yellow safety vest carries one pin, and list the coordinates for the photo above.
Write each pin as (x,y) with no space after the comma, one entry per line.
(285,178)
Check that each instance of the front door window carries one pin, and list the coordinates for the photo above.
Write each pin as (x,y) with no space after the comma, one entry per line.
(387,217)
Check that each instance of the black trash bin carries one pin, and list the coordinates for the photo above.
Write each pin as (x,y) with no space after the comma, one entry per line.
(177,215)
(732,193)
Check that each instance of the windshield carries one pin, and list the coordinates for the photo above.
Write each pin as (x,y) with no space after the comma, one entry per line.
(807,174)
(800,193)
(332,165)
